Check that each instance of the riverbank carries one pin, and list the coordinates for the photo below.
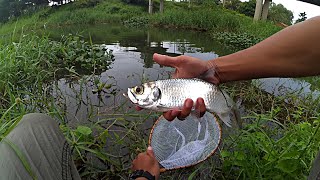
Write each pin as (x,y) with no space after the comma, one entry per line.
(221,23)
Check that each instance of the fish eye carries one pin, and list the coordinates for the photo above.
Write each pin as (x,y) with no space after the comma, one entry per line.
(138,89)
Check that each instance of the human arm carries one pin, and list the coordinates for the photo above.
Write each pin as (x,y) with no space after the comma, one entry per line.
(292,52)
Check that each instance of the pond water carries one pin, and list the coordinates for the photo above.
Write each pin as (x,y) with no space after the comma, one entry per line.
(133,49)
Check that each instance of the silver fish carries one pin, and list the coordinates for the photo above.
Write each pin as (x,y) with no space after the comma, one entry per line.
(164,95)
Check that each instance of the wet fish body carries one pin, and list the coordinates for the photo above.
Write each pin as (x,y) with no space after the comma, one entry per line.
(164,95)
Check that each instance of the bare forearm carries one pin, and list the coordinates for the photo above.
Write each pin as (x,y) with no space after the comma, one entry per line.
(292,52)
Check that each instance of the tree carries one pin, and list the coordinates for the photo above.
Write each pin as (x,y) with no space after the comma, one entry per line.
(278,13)
(138,2)
(233,4)
(265,9)
(14,8)
(248,8)
(302,17)
(4,11)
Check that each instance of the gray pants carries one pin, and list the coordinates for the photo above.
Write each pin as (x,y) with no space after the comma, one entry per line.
(315,170)
(45,150)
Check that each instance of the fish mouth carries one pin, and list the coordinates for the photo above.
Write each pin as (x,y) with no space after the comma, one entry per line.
(131,96)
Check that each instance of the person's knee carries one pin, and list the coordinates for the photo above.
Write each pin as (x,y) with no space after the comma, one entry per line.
(37,119)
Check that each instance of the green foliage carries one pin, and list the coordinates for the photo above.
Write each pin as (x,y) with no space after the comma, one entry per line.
(215,20)
(247,8)
(266,150)
(302,17)
(137,2)
(142,21)
(73,51)
(35,60)
(279,139)
(207,2)
(104,12)
(86,3)
(233,4)
(10,9)
(235,40)
(199,19)
(278,13)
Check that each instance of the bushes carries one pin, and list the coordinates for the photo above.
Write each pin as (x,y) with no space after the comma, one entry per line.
(264,150)
(23,63)
(86,3)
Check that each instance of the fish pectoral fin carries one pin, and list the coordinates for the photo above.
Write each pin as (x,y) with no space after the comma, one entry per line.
(163,108)
(160,106)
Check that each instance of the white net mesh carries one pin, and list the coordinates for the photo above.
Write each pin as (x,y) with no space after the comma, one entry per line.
(183,143)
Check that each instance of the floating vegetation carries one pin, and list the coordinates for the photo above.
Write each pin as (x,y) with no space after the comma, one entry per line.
(236,41)
(86,57)
(137,22)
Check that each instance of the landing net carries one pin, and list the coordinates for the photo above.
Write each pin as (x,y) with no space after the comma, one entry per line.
(179,144)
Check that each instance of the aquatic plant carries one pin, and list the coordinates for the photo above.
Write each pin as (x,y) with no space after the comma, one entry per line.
(237,41)
(34,60)
(142,21)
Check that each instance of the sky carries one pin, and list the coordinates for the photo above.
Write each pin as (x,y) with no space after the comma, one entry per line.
(298,7)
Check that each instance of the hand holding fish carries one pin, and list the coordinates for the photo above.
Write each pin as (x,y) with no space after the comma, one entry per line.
(184,94)
(189,67)
(186,110)
(185,67)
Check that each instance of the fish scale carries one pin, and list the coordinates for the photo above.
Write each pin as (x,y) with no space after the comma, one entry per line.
(175,91)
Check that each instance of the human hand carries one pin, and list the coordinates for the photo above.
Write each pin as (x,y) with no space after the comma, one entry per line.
(186,66)
(147,161)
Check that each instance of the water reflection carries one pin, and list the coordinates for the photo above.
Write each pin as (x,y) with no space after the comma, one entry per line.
(149,41)
(285,86)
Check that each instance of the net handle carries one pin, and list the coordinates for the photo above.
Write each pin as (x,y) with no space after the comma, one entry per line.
(162,169)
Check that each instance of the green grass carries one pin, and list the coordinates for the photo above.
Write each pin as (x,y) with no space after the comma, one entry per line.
(265,149)
(233,29)
(27,65)
(280,139)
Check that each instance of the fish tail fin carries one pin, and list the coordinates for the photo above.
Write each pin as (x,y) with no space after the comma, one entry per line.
(210,76)
(225,108)
(225,118)
(237,117)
